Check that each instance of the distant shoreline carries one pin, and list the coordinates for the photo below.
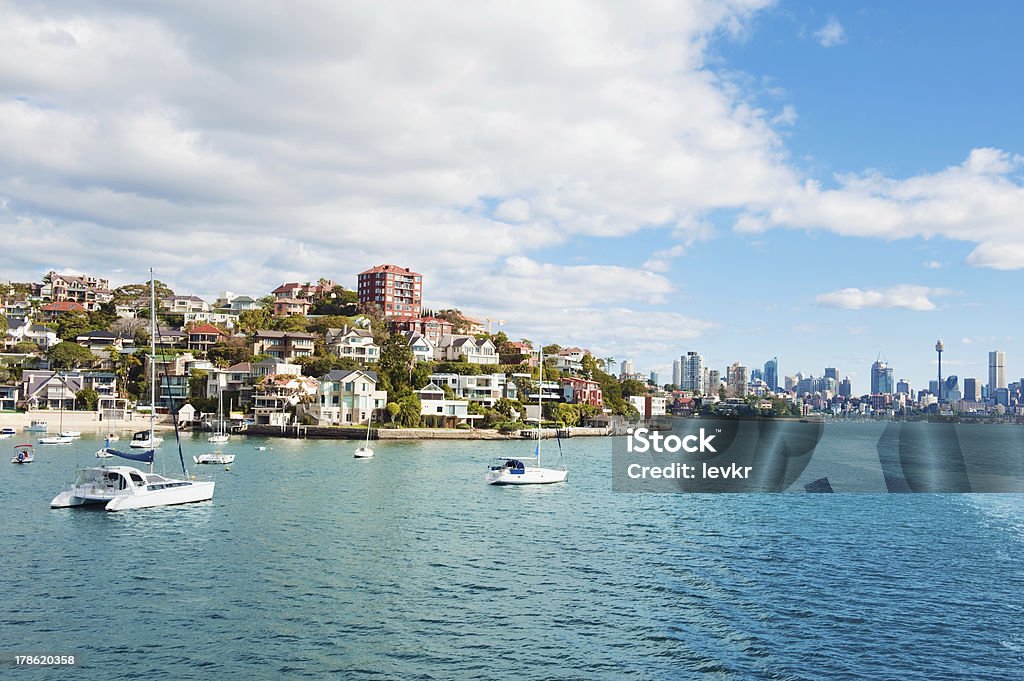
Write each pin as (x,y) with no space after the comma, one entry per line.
(89,422)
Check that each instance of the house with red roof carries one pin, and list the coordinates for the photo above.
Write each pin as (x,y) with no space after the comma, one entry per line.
(203,337)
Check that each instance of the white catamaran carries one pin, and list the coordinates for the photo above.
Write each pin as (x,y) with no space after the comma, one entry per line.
(514,471)
(121,488)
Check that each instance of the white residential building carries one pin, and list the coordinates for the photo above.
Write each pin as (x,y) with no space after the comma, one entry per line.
(422,347)
(453,347)
(434,406)
(570,359)
(347,398)
(484,389)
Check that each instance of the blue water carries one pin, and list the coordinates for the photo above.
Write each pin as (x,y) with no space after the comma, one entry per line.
(309,563)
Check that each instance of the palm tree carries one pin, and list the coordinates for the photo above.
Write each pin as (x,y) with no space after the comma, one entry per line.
(609,363)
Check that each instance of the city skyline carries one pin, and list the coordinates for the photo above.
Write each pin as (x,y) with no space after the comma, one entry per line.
(749,179)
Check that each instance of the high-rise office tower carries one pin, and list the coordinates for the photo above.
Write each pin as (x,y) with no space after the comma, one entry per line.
(881,379)
(833,373)
(845,388)
(902,387)
(677,372)
(996,372)
(972,390)
(653,379)
(771,374)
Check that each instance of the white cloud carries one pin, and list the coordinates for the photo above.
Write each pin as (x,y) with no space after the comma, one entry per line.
(933,265)
(907,297)
(831,34)
(979,201)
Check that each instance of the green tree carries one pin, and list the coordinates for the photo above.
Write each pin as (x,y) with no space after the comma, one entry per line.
(319,365)
(25,346)
(229,351)
(321,324)
(71,325)
(137,295)
(409,411)
(393,410)
(67,355)
(631,387)
(87,398)
(396,364)
(250,321)
(292,323)
(197,383)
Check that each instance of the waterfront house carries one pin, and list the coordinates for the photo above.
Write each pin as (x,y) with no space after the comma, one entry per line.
(282,345)
(49,390)
(484,389)
(357,344)
(275,397)
(454,348)
(347,398)
(581,391)
(223,316)
(439,411)
(649,405)
(8,397)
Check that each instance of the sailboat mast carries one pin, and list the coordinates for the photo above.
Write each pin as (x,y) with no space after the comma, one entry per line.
(152,364)
(540,400)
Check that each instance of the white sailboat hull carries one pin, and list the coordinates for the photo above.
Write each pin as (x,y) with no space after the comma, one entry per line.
(531,475)
(147,443)
(224,437)
(364,453)
(103,486)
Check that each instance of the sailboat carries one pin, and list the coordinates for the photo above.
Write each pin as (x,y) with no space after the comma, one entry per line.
(510,471)
(121,488)
(62,438)
(366,451)
(220,435)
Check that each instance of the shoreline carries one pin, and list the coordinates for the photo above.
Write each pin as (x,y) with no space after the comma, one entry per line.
(89,422)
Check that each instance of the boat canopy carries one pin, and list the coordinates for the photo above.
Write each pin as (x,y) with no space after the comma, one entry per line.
(145,457)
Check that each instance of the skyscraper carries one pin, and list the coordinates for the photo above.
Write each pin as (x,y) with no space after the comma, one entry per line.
(972,390)
(771,374)
(693,372)
(903,387)
(653,378)
(677,372)
(626,368)
(881,378)
(833,373)
(996,372)
(845,388)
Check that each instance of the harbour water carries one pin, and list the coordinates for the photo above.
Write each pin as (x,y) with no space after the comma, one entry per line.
(309,563)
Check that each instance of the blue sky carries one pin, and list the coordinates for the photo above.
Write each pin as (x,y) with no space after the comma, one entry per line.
(820,182)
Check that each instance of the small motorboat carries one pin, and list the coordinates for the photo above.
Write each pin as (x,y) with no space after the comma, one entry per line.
(23,454)
(56,440)
(214,458)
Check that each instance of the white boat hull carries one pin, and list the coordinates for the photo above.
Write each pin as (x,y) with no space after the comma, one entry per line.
(216,458)
(158,491)
(531,475)
(364,453)
(57,440)
(146,444)
(218,438)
